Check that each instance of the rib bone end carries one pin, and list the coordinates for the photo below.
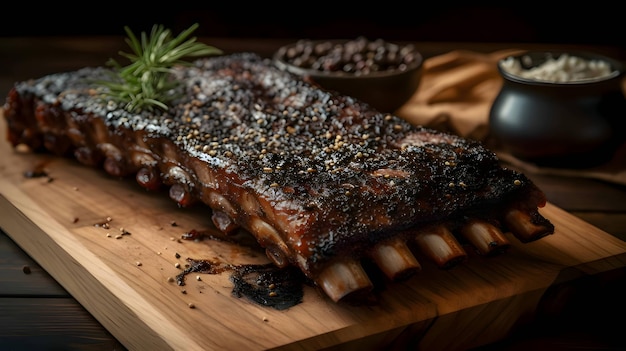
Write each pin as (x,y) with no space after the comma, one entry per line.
(344,280)
(485,237)
(396,260)
(440,245)
(527,226)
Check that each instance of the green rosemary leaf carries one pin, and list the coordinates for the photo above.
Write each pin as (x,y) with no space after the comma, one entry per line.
(144,83)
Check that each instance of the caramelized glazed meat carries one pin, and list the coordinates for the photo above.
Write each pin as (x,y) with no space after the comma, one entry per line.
(323,181)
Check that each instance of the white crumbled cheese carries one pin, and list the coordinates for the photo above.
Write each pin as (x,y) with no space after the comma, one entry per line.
(564,69)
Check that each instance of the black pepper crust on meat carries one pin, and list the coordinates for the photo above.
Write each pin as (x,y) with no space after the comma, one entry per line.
(331,176)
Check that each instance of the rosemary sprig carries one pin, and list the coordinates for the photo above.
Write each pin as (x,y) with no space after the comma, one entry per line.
(145,83)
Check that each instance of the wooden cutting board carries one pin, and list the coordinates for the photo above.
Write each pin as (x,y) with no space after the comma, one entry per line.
(124,283)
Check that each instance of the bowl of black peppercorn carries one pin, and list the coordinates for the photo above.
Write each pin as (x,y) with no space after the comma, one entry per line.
(383,74)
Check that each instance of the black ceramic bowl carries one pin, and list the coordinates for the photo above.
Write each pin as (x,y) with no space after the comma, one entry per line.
(384,75)
(560,109)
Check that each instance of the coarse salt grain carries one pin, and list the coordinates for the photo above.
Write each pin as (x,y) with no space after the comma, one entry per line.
(564,69)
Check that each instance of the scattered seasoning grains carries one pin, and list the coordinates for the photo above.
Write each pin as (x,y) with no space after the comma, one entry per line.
(118,236)
(517,182)
(198,278)
(138,264)
(177,255)
(177,265)
(26,269)
(170,279)
(191,305)
(265,319)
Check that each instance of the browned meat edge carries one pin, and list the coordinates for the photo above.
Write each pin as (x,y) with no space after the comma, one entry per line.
(321,180)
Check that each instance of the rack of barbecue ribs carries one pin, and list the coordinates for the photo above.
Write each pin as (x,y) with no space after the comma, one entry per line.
(323,181)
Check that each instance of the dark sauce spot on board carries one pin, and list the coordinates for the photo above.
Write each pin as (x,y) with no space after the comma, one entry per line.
(195,234)
(39,171)
(266,285)
(35,173)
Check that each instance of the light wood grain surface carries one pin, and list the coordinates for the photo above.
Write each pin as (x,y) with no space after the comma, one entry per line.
(124,282)
(37,313)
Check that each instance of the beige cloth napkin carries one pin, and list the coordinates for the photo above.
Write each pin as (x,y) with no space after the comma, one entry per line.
(456,94)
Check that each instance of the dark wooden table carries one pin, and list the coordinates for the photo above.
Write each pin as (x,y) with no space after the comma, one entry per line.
(36,313)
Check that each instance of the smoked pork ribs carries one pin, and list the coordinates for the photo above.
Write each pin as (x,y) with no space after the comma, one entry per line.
(321,180)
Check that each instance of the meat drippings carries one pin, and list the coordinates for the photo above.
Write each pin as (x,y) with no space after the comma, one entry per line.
(266,285)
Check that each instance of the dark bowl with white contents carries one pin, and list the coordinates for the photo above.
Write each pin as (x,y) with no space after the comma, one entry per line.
(385,75)
(561,109)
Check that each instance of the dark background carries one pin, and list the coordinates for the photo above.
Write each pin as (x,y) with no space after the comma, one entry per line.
(591,22)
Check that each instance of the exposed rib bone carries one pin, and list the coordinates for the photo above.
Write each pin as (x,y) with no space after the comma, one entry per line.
(142,159)
(182,196)
(485,237)
(219,202)
(395,259)
(527,226)
(250,204)
(344,279)
(268,237)
(223,222)
(148,177)
(87,156)
(438,243)
(115,166)
(110,150)
(279,258)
